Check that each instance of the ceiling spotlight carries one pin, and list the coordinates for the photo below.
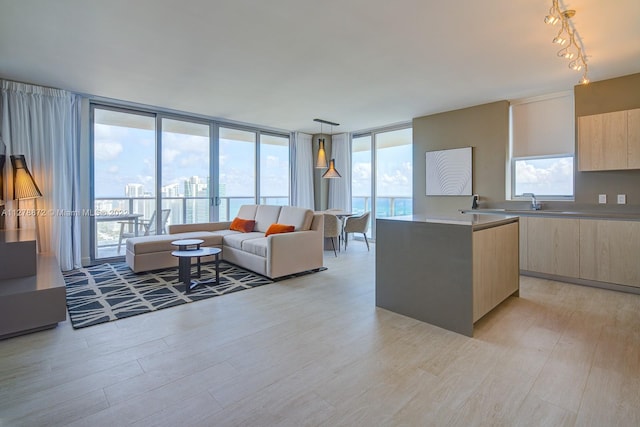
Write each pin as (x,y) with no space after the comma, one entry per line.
(551,20)
(564,53)
(559,40)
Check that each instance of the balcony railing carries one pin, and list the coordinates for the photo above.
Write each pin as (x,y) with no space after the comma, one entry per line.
(189,210)
(385,206)
(184,210)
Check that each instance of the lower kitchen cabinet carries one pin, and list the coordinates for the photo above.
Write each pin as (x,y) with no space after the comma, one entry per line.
(610,251)
(553,246)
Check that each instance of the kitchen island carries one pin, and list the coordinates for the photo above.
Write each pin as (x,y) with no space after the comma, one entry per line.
(446,271)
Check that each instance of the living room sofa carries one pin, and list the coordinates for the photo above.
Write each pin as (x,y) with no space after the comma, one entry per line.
(273,256)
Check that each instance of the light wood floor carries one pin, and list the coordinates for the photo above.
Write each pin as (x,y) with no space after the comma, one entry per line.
(316,351)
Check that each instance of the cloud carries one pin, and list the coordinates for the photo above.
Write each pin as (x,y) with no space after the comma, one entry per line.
(169,155)
(545,177)
(107,150)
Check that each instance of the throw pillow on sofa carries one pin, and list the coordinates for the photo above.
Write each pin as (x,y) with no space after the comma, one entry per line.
(242,225)
(279,228)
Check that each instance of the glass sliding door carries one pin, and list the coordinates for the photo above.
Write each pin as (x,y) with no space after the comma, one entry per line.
(124,178)
(361,184)
(274,170)
(153,169)
(186,173)
(382,171)
(394,173)
(236,170)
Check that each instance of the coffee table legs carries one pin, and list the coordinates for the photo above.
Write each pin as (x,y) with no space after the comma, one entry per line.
(211,281)
(184,273)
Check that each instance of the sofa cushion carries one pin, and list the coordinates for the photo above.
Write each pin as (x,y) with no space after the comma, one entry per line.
(162,243)
(247,211)
(300,218)
(242,225)
(265,216)
(235,240)
(255,246)
(278,229)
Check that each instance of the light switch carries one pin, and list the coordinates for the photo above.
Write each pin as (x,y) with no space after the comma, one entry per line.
(602,198)
(622,199)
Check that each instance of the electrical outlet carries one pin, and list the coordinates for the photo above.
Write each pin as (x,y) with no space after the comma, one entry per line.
(622,199)
(602,198)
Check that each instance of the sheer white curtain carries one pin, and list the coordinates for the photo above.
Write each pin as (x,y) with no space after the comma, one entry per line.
(43,124)
(340,188)
(302,170)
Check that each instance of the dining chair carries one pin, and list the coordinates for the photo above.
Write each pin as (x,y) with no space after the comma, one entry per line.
(145,227)
(356,224)
(332,229)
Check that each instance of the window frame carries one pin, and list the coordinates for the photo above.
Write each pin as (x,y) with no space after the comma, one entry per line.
(159,114)
(543,197)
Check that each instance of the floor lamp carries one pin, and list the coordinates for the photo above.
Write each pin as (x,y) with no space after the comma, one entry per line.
(24,187)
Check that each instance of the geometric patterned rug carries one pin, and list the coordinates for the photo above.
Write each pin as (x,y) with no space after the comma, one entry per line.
(106,292)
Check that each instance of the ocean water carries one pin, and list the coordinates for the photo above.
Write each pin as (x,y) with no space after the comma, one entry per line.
(401,206)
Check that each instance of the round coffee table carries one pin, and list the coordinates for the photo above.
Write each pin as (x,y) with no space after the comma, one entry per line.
(189,245)
(183,244)
(184,266)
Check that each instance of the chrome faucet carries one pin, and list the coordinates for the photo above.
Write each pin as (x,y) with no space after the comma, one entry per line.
(534,204)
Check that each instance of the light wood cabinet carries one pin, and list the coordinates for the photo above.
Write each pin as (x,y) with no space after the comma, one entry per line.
(609,141)
(495,267)
(610,251)
(553,246)
(524,252)
(633,138)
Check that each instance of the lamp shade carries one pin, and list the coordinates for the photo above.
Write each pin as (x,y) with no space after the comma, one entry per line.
(2,160)
(332,172)
(322,155)
(24,187)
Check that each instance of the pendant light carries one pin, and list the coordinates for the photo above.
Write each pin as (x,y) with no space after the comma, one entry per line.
(332,172)
(321,162)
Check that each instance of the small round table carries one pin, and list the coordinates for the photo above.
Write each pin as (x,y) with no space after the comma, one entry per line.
(189,245)
(184,266)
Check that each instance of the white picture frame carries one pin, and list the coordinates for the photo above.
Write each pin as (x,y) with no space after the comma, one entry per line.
(449,172)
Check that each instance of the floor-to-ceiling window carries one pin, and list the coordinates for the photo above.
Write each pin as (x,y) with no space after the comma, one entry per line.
(124,177)
(186,172)
(274,169)
(394,173)
(151,170)
(361,183)
(382,173)
(237,170)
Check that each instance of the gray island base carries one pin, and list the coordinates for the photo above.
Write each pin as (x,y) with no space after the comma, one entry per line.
(448,272)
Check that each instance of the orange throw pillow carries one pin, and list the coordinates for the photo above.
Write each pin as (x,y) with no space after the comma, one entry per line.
(242,225)
(279,228)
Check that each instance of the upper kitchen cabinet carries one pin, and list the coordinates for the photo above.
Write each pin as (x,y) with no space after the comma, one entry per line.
(609,141)
(633,138)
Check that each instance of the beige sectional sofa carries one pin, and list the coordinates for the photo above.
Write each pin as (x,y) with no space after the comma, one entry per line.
(273,256)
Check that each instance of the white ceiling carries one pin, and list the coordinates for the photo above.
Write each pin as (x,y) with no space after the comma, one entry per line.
(282,63)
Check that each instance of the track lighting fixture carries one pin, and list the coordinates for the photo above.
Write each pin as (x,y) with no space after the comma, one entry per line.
(567,33)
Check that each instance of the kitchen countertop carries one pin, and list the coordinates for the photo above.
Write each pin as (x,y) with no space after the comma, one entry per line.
(477,222)
(556,213)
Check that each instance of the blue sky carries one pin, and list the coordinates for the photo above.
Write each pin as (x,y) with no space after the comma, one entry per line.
(126,155)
